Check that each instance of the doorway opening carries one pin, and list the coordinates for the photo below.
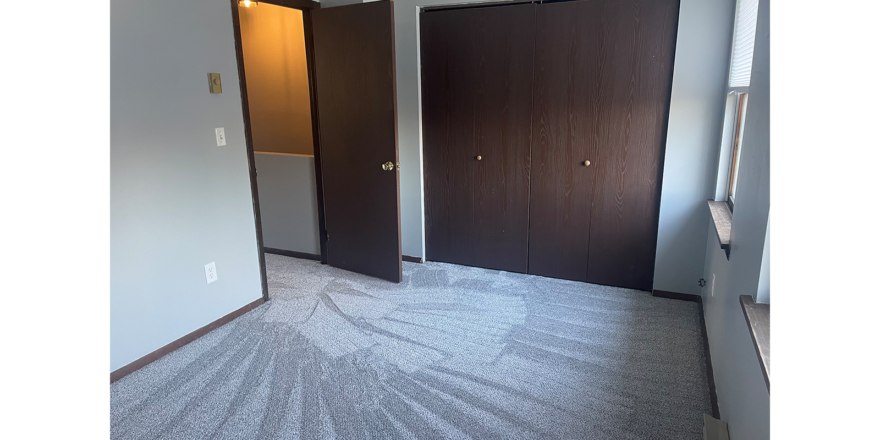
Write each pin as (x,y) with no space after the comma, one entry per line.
(318,101)
(273,41)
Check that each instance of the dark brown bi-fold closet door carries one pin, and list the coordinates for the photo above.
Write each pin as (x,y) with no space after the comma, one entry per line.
(477,71)
(586,149)
(566,123)
(603,73)
(603,76)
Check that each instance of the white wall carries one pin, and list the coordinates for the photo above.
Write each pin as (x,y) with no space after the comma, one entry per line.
(178,201)
(742,394)
(288,202)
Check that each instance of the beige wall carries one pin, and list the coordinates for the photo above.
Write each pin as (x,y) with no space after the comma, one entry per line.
(277,79)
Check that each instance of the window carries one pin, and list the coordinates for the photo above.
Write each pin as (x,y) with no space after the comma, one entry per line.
(763,296)
(741,100)
(738,89)
(743,43)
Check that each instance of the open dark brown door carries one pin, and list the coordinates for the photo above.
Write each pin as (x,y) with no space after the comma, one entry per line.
(357,113)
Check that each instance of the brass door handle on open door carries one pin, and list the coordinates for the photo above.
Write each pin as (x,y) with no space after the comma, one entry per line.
(388,166)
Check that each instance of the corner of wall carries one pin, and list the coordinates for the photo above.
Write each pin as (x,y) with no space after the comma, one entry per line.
(743,396)
(694,129)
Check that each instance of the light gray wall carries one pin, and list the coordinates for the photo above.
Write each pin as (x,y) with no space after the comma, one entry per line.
(696,112)
(763,295)
(178,201)
(702,60)
(742,395)
(288,202)
(332,3)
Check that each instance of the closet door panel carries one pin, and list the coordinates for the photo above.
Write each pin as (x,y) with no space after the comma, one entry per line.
(637,43)
(448,138)
(505,40)
(567,115)
(476,101)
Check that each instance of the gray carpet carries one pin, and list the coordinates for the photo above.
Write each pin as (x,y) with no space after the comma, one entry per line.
(451,352)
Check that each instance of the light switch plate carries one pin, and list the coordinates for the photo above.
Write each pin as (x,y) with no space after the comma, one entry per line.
(221,136)
(211,272)
(214,83)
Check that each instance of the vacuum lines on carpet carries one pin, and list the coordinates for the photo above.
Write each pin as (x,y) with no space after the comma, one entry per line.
(452,352)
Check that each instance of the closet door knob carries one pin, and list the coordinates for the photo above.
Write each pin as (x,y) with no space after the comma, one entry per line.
(586,163)
(479,157)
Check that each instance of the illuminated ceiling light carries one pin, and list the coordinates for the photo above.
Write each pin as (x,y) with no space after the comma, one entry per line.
(247,3)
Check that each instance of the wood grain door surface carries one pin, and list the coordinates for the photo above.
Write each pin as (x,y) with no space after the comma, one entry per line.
(636,80)
(567,121)
(603,82)
(477,72)
(356,100)
(598,87)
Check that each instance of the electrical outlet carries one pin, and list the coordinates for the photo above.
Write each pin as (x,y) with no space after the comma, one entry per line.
(211,272)
(221,136)
(712,290)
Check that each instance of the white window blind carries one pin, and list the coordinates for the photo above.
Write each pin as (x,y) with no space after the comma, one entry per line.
(743,43)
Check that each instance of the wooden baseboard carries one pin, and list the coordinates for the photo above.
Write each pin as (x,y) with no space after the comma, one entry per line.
(710,374)
(315,257)
(294,254)
(758,320)
(676,295)
(144,361)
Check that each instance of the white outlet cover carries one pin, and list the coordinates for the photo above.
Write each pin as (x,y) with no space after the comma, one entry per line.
(221,136)
(211,272)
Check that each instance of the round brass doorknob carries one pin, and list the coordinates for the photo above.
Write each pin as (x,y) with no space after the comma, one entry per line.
(586,163)
(387,166)
(479,157)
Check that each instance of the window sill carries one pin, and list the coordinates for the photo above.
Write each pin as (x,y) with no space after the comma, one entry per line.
(758,320)
(721,218)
